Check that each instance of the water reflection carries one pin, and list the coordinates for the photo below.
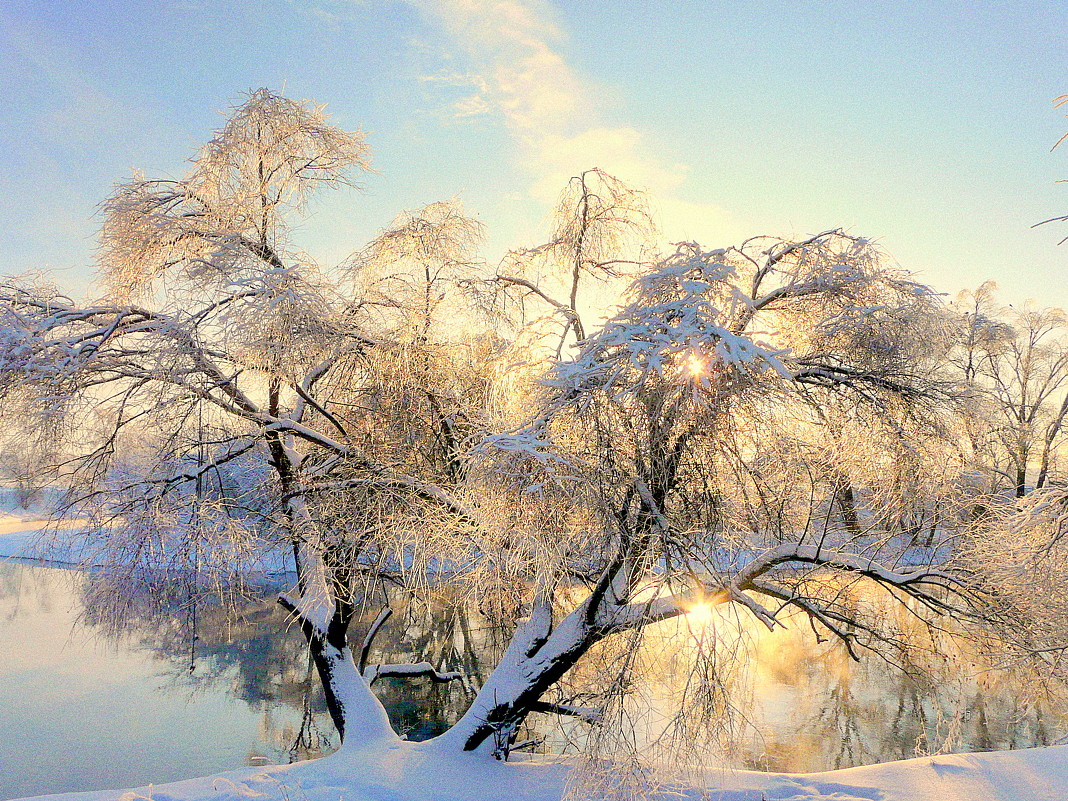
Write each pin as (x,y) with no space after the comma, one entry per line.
(806,706)
(190,690)
(242,639)
(828,711)
(80,712)
(251,654)
(783,702)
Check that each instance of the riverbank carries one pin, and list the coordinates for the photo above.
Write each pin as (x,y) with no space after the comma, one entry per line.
(414,772)
(419,772)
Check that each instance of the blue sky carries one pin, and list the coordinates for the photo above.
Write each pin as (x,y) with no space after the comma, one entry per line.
(925,125)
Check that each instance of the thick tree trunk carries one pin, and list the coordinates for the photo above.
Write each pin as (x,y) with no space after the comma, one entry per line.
(324,617)
(356,712)
(503,702)
(537,657)
(847,506)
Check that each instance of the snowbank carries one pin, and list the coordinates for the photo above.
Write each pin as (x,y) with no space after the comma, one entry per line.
(26,533)
(420,772)
(1035,774)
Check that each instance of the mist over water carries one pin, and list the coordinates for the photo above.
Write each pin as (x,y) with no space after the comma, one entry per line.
(818,708)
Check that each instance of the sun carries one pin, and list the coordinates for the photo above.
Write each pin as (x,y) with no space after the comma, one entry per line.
(700,614)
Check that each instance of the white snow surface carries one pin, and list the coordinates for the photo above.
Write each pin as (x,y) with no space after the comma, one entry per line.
(402,771)
(20,528)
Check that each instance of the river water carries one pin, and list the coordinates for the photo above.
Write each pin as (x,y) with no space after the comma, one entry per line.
(82,710)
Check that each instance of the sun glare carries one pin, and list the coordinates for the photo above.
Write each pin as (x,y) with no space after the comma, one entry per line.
(700,614)
(695,365)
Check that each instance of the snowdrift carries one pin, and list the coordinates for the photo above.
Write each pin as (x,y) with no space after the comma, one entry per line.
(420,772)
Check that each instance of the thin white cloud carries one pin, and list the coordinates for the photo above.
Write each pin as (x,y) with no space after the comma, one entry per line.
(513,45)
(520,72)
(474,104)
(471,106)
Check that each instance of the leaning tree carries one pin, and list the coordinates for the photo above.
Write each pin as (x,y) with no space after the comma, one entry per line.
(751,427)
(754,426)
(229,391)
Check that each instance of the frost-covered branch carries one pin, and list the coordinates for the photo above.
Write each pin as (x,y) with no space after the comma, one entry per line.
(410,671)
(592,715)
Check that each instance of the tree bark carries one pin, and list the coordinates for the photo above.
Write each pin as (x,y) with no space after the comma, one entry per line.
(356,712)
(847,506)
(353,708)
(324,617)
(1047,443)
(524,674)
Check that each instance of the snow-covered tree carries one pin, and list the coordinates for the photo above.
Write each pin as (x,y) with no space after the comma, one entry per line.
(1016,362)
(692,452)
(746,430)
(228,392)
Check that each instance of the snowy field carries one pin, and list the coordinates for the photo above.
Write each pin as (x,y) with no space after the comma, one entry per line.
(416,772)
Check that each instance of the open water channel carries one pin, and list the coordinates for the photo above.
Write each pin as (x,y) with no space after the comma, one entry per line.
(82,710)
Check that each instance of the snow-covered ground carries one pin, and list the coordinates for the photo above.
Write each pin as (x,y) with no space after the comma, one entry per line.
(21,527)
(419,772)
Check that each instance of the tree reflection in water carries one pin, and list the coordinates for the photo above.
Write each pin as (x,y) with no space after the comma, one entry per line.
(241,639)
(806,705)
(830,712)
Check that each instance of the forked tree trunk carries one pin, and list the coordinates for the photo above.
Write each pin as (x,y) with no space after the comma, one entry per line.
(356,712)
(324,619)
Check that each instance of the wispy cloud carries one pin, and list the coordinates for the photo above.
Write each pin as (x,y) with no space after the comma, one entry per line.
(512,45)
(519,71)
(472,86)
